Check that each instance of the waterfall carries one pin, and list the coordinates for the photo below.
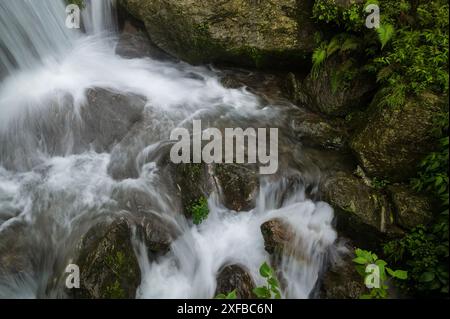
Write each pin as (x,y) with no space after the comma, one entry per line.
(100,16)
(32,32)
(58,146)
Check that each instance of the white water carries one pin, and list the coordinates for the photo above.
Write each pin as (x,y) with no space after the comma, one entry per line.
(59,194)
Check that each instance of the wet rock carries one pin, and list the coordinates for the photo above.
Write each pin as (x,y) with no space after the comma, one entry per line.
(156,232)
(108,265)
(134,43)
(411,209)
(61,128)
(342,281)
(231,82)
(235,277)
(14,254)
(107,255)
(315,130)
(251,33)
(239,185)
(108,117)
(362,213)
(192,183)
(277,237)
(336,90)
(396,138)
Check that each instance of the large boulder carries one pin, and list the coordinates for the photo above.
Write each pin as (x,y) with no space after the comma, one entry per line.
(192,184)
(337,89)
(239,31)
(234,277)
(108,263)
(313,129)
(239,185)
(363,213)
(278,237)
(411,209)
(396,138)
(102,120)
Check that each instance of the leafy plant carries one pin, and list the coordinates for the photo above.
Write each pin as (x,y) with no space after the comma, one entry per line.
(425,256)
(230,295)
(365,258)
(272,288)
(385,33)
(199,210)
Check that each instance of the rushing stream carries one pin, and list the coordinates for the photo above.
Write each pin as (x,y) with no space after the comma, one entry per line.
(58,155)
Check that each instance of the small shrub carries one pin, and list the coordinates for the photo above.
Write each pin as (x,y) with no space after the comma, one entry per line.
(199,211)
(365,258)
(272,288)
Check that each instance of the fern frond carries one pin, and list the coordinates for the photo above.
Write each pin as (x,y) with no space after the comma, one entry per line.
(318,58)
(334,45)
(385,34)
(350,44)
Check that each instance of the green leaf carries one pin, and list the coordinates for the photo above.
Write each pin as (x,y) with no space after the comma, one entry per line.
(265,270)
(232,295)
(262,292)
(400,274)
(427,277)
(360,260)
(273,282)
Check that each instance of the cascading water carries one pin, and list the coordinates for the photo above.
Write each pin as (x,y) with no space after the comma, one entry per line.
(56,180)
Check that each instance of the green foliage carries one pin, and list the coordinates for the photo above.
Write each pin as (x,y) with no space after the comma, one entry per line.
(272,288)
(412,59)
(199,210)
(318,58)
(341,43)
(115,291)
(365,258)
(425,250)
(79,3)
(426,257)
(231,295)
(385,33)
(330,12)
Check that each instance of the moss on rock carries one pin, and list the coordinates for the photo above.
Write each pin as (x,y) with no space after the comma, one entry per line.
(244,32)
(395,139)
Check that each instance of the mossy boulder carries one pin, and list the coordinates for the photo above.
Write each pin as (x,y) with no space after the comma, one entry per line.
(315,130)
(235,277)
(396,138)
(192,184)
(246,32)
(239,185)
(337,89)
(411,209)
(363,213)
(107,259)
(108,265)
